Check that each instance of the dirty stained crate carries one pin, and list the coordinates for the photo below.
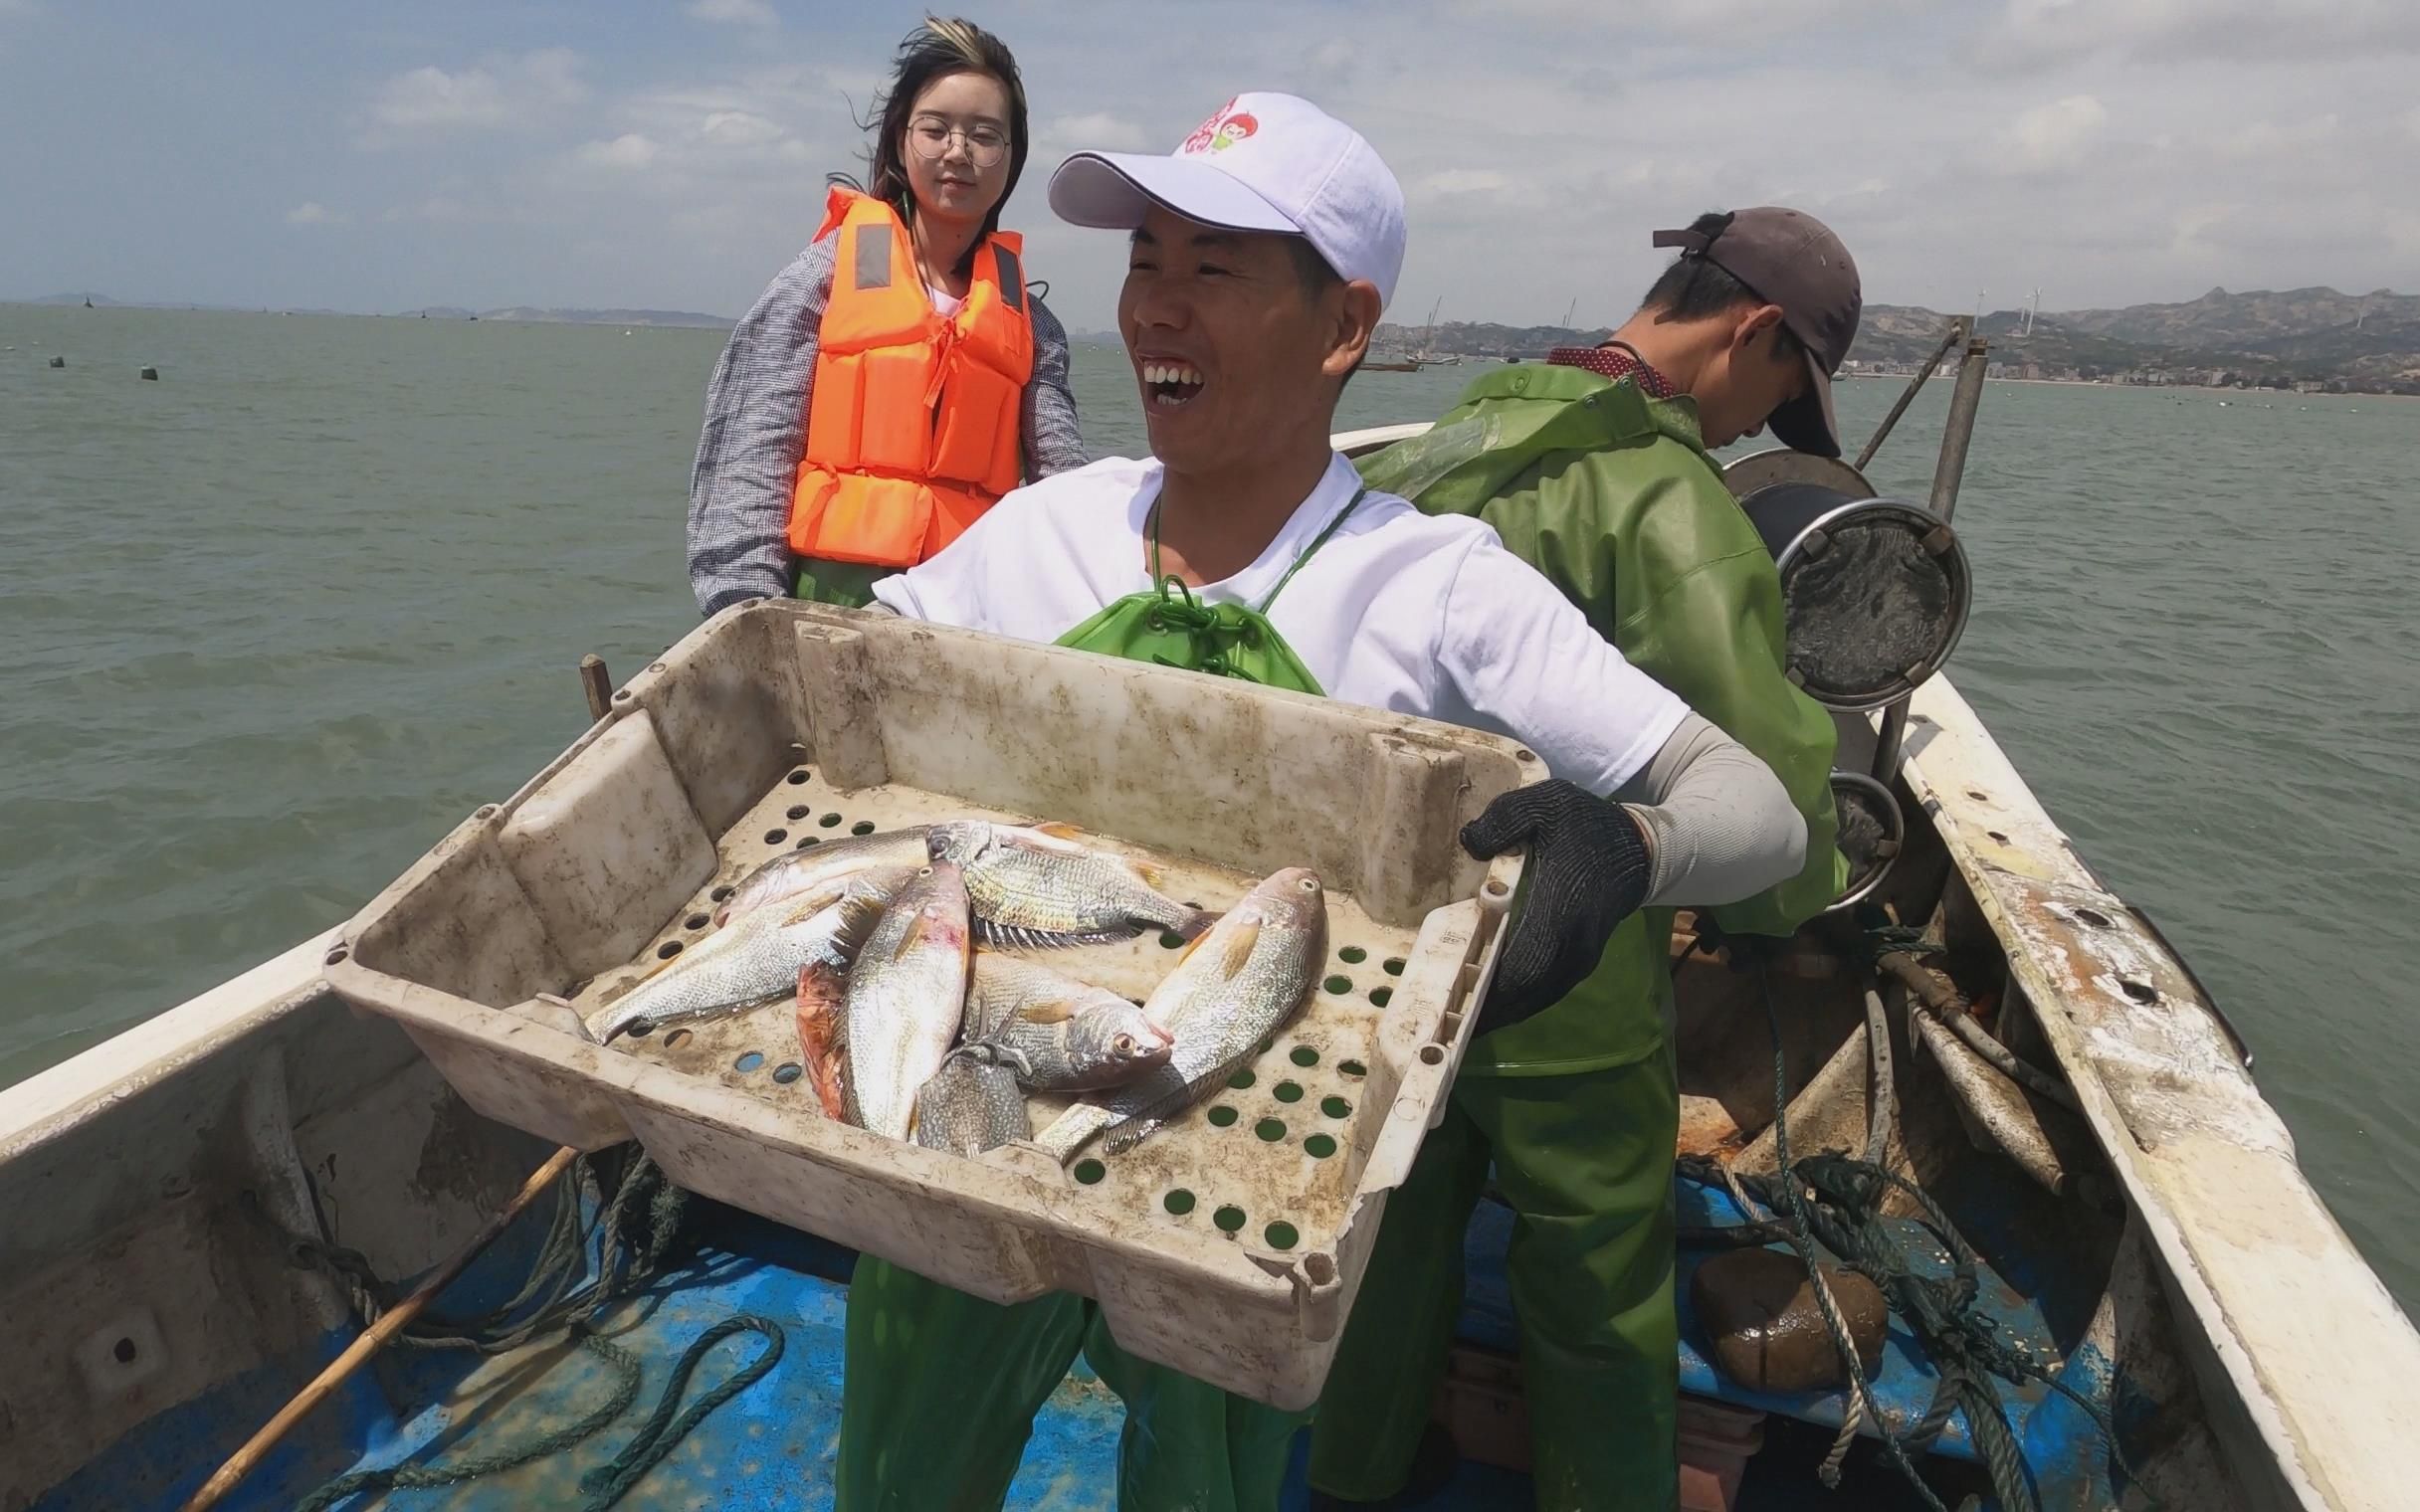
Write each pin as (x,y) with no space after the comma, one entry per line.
(1229,1244)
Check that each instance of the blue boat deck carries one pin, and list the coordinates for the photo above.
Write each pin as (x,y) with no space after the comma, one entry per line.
(771,1446)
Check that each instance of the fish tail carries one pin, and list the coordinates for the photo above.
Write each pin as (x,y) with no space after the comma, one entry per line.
(1193,923)
(1126,1133)
(1072,1130)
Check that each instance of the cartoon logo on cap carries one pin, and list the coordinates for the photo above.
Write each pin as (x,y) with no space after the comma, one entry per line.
(1226,126)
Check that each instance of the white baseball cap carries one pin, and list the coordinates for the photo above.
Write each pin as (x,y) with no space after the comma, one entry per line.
(1261,162)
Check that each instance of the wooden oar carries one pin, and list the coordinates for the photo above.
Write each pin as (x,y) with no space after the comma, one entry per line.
(391,1323)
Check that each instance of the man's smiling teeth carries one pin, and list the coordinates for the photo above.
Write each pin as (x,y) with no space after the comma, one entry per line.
(1170,372)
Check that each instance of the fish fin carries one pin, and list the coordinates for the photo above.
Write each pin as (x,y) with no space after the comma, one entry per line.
(909,938)
(858,916)
(1057,828)
(1049,1011)
(1237,948)
(1019,937)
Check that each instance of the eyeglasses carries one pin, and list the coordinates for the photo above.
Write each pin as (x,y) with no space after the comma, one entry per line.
(931,136)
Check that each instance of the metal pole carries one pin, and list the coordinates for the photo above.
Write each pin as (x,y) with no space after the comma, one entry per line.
(1965,400)
(1958,329)
(1957,435)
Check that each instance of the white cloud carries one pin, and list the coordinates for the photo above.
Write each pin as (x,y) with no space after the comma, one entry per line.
(1096,132)
(2046,32)
(629,150)
(495,93)
(2055,136)
(1457,181)
(313,213)
(737,129)
(735,11)
(435,209)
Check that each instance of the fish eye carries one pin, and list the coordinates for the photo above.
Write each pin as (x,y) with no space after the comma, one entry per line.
(1311,885)
(1124,1044)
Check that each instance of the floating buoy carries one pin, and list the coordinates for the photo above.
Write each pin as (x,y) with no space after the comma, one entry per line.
(59,362)
(151,373)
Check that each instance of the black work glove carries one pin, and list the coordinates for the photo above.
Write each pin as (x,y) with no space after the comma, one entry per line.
(1588,871)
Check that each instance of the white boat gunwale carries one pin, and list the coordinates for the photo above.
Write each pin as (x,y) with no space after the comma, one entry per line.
(2294,1338)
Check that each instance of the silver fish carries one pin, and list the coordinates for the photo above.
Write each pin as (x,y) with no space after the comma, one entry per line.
(970,1104)
(905,996)
(1037,886)
(1062,1035)
(796,872)
(757,959)
(1234,988)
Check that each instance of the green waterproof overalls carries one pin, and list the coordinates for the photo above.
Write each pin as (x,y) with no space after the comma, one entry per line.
(942,1388)
(1611,497)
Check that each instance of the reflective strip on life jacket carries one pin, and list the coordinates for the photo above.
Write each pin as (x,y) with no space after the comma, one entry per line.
(914,421)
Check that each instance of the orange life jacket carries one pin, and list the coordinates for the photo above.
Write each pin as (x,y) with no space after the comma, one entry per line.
(912,423)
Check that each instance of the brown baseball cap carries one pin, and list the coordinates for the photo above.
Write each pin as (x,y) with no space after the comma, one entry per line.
(1790,259)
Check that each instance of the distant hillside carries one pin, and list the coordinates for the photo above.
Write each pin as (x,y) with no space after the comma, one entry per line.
(1485,338)
(2314,338)
(2219,321)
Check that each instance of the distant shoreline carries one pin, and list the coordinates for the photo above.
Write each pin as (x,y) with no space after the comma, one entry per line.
(510,315)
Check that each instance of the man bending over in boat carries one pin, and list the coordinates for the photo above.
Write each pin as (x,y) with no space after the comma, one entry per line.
(1262,250)
(1593,469)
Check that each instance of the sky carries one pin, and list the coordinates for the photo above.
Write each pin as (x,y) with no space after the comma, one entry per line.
(385,157)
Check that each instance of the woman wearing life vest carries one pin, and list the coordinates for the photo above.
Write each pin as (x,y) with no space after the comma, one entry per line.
(898,376)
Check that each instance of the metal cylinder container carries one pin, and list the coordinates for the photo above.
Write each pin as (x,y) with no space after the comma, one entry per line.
(1874,591)
(1873,831)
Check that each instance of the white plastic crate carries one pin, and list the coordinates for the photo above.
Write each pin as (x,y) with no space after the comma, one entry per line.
(1228,1244)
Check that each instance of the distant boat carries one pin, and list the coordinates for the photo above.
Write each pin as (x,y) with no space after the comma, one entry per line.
(1392,365)
(88,301)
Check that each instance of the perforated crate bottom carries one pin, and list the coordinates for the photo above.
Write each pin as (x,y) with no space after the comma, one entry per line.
(1270,1160)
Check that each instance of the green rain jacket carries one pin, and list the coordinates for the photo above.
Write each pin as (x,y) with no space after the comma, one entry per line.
(1611,494)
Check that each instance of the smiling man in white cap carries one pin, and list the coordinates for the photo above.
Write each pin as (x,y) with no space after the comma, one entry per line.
(1264,249)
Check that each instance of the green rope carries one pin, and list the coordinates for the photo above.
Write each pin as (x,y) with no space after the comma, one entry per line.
(1802,1241)
(661,1430)
(633,1235)
(419,1477)
(1845,1216)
